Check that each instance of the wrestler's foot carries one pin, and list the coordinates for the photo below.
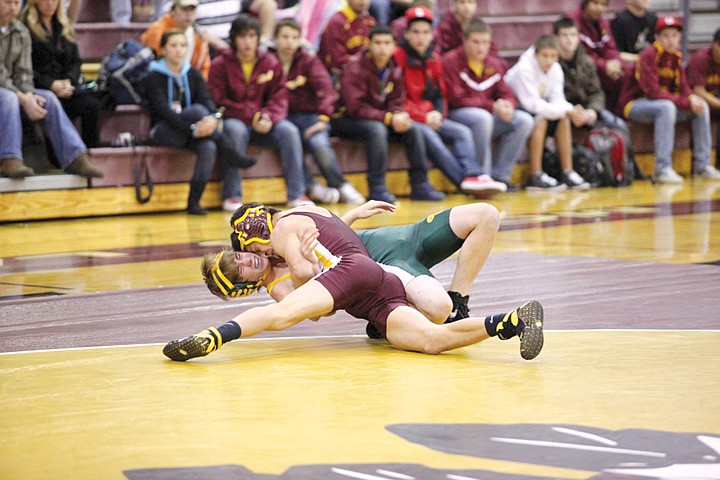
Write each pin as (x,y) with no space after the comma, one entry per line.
(197,345)
(530,329)
(372,332)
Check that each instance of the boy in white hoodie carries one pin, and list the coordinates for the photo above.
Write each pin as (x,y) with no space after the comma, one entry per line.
(538,82)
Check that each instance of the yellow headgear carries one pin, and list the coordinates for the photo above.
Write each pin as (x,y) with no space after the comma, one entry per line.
(228,288)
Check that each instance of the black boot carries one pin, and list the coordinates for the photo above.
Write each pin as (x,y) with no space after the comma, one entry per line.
(193,205)
(227,151)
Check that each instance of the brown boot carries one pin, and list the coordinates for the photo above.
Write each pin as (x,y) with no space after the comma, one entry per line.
(83,166)
(15,168)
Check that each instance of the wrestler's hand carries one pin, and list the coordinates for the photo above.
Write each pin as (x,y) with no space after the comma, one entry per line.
(308,242)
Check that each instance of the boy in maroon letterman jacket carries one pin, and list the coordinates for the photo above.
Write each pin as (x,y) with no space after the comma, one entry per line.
(703,73)
(346,33)
(659,93)
(372,93)
(250,85)
(312,99)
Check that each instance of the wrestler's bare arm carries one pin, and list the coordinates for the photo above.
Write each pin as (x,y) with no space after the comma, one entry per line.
(286,241)
(367,210)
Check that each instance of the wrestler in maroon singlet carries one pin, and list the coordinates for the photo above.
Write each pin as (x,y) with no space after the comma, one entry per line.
(357,284)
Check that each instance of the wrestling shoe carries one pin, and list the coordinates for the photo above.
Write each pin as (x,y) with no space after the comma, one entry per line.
(197,345)
(460,308)
(372,332)
(530,326)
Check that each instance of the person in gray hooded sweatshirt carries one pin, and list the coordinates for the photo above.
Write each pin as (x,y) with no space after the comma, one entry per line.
(184,115)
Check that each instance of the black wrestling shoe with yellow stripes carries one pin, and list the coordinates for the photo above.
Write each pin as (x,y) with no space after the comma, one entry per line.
(530,328)
(194,346)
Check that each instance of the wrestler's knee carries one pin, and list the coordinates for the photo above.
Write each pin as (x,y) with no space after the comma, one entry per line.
(436,308)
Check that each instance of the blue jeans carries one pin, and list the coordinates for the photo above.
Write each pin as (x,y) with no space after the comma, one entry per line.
(375,135)
(664,114)
(286,138)
(64,138)
(205,150)
(485,127)
(319,147)
(459,163)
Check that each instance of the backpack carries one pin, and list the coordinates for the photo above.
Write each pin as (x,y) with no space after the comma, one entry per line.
(123,72)
(586,163)
(612,142)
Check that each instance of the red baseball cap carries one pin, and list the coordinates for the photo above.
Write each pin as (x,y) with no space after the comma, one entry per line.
(418,13)
(667,22)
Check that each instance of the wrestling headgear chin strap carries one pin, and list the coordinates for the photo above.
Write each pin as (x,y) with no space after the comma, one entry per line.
(228,288)
(255,225)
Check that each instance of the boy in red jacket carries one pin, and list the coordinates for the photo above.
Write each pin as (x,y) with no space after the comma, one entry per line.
(703,72)
(659,93)
(346,33)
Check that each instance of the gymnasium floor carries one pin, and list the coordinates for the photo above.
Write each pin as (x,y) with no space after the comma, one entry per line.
(626,387)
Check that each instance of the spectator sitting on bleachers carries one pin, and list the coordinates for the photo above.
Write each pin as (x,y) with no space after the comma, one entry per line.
(56,66)
(182,17)
(596,36)
(346,33)
(251,86)
(703,73)
(659,93)
(634,29)
(182,114)
(311,104)
(18,95)
(425,102)
(479,98)
(372,92)
(451,29)
(582,84)
(214,18)
(537,81)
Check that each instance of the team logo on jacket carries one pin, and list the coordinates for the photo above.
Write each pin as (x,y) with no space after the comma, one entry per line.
(265,77)
(389,88)
(296,82)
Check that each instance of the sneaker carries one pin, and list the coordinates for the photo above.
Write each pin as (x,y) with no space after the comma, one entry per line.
(530,317)
(574,181)
(383,195)
(668,175)
(349,195)
(231,204)
(425,191)
(372,331)
(482,184)
(510,187)
(193,346)
(322,194)
(299,202)
(710,173)
(542,182)
(460,308)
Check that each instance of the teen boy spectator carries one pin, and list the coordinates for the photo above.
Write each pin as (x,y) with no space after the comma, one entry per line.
(633,29)
(182,17)
(659,93)
(17,94)
(372,91)
(451,29)
(312,101)
(479,98)
(346,33)
(703,73)
(251,86)
(537,81)
(582,84)
(596,37)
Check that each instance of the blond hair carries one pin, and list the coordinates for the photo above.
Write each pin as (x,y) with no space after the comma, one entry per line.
(31,19)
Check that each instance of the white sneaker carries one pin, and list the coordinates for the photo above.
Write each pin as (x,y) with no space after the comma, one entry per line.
(349,195)
(231,204)
(322,194)
(710,173)
(482,183)
(668,175)
(574,181)
(299,202)
(542,182)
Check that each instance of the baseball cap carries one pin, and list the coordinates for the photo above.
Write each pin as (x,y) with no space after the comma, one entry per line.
(186,3)
(418,13)
(667,22)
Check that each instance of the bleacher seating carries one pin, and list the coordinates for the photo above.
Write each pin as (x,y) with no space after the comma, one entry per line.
(515,26)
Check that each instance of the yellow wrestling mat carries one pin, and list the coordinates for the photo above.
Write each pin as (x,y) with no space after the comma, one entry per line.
(593,403)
